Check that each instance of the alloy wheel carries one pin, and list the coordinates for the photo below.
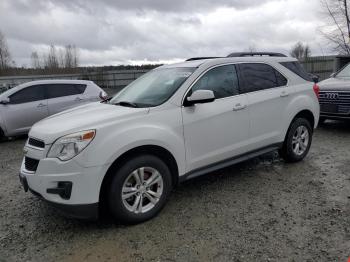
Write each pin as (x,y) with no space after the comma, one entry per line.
(142,190)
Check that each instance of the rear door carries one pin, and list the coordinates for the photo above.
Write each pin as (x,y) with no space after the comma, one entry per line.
(268,97)
(64,96)
(26,107)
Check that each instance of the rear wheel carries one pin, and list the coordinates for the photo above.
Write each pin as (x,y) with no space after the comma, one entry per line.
(298,141)
(139,189)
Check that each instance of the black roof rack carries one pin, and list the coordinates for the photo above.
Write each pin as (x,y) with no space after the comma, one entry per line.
(201,58)
(242,54)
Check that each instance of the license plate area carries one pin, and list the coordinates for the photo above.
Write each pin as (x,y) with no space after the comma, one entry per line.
(329,108)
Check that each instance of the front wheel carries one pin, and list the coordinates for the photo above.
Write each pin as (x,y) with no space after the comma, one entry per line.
(298,141)
(139,189)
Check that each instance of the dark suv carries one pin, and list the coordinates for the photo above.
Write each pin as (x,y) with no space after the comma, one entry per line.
(335,96)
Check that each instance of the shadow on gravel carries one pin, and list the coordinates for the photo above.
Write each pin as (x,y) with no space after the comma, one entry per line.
(11,139)
(336,126)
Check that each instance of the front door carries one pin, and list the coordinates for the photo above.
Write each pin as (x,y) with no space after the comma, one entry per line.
(218,130)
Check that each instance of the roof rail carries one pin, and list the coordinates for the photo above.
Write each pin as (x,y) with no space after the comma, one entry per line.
(241,54)
(201,58)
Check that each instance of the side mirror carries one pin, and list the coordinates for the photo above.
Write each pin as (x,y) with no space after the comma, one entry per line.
(332,75)
(5,101)
(200,97)
(103,96)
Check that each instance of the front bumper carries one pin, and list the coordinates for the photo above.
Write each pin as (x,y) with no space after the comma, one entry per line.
(84,211)
(68,186)
(335,116)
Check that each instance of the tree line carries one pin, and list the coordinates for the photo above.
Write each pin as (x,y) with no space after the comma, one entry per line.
(56,57)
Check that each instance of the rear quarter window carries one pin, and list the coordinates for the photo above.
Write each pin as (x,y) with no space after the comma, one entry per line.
(297,69)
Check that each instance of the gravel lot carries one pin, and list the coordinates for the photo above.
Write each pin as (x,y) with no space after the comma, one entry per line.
(260,210)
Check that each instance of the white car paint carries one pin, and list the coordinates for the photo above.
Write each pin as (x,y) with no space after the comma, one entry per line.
(196,136)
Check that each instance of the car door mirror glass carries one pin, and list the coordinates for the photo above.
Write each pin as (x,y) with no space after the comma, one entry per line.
(200,97)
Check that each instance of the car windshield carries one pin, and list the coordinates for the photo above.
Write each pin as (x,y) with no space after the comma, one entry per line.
(153,88)
(345,72)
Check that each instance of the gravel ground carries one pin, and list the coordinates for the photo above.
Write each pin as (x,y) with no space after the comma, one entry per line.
(260,210)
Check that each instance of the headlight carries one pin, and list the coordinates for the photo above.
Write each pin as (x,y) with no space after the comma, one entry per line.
(67,147)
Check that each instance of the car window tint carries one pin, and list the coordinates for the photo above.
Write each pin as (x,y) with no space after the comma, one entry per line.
(296,68)
(281,80)
(258,76)
(28,94)
(59,90)
(223,81)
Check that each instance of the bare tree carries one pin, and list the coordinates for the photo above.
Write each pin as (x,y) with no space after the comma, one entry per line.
(5,57)
(51,60)
(35,60)
(68,58)
(71,56)
(337,30)
(300,51)
(75,57)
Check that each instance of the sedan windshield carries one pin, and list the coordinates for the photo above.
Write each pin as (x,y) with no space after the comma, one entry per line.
(345,72)
(153,88)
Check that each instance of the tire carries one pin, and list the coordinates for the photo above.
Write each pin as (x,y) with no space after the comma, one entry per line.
(295,147)
(127,181)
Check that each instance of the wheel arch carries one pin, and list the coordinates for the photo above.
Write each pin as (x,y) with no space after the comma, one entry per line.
(308,115)
(305,113)
(155,150)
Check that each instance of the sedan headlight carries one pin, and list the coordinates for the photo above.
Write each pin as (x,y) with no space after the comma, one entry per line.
(67,147)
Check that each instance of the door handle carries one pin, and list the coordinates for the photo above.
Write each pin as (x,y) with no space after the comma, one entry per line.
(239,106)
(284,94)
(78,99)
(41,105)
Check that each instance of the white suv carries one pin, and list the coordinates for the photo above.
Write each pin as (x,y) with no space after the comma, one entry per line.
(172,124)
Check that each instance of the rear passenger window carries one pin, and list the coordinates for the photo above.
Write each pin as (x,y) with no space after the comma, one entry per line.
(221,80)
(255,77)
(59,90)
(28,94)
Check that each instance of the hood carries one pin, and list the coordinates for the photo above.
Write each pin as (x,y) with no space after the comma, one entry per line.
(335,84)
(90,116)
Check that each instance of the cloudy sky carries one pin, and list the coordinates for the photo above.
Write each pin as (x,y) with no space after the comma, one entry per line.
(112,32)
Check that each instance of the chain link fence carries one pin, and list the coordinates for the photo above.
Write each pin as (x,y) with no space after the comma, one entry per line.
(323,66)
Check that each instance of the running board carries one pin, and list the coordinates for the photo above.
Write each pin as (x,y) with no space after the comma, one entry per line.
(229,162)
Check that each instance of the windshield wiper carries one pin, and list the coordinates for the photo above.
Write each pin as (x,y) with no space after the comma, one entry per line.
(127,104)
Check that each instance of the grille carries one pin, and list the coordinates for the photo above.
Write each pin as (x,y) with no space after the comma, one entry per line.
(335,102)
(36,143)
(31,164)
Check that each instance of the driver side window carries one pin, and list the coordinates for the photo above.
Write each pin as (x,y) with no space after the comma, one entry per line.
(222,80)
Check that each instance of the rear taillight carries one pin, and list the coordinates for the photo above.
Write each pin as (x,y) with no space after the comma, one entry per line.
(317,90)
